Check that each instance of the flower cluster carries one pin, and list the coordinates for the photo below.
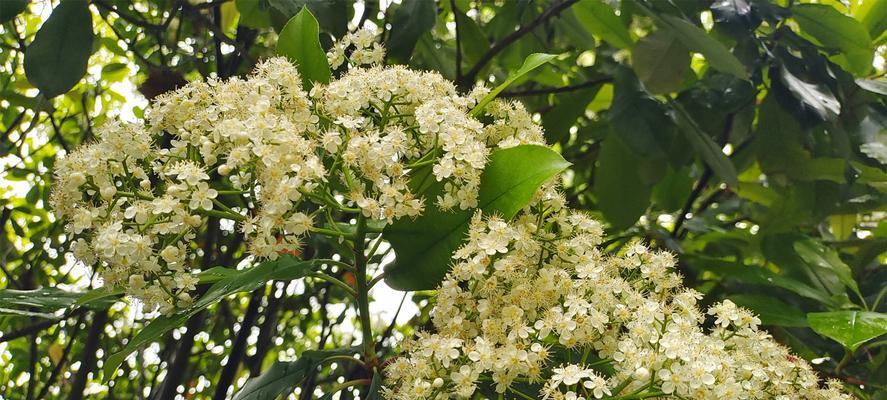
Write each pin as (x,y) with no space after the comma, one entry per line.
(274,159)
(366,50)
(534,307)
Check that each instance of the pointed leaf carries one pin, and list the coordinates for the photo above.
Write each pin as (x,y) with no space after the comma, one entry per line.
(284,268)
(833,29)
(10,8)
(424,245)
(661,62)
(849,328)
(706,147)
(412,19)
(300,42)
(621,195)
(532,62)
(57,58)
(818,255)
(771,311)
(600,19)
(699,41)
(284,376)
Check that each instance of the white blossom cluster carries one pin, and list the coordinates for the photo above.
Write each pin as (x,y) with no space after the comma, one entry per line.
(276,160)
(365,51)
(535,307)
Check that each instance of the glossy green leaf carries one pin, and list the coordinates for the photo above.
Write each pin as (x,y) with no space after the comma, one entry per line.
(638,120)
(816,97)
(284,376)
(424,246)
(820,256)
(833,29)
(661,62)
(254,13)
(706,147)
(873,85)
(849,328)
(10,8)
(284,268)
(532,62)
(57,58)
(697,40)
(412,19)
(300,42)
(621,195)
(600,19)
(45,301)
(771,311)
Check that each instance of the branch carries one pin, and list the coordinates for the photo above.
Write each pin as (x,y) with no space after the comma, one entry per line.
(28,330)
(562,89)
(238,349)
(496,48)
(87,365)
(137,21)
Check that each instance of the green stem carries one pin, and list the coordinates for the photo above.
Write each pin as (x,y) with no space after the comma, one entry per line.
(369,346)
(848,355)
(334,281)
(348,384)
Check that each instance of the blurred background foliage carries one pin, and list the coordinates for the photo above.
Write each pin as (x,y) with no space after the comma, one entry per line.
(747,136)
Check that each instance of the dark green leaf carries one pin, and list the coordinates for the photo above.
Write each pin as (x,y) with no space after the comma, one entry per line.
(600,19)
(736,16)
(849,328)
(412,19)
(375,392)
(833,29)
(300,42)
(532,62)
(563,116)
(820,256)
(638,120)
(284,268)
(660,61)
(706,147)
(424,246)
(331,15)
(621,195)
(671,193)
(57,58)
(873,85)
(254,13)
(10,8)
(46,300)
(816,97)
(771,311)
(699,41)
(284,376)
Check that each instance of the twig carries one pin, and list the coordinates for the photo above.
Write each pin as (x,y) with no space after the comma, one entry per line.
(87,364)
(562,89)
(238,349)
(502,44)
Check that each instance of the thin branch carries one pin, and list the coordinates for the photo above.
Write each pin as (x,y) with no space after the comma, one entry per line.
(496,48)
(562,89)
(238,349)
(88,363)
(132,19)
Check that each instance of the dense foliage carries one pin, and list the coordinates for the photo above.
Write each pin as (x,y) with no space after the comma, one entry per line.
(745,137)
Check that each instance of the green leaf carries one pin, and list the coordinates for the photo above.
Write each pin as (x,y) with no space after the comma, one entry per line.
(284,376)
(873,15)
(672,192)
(42,301)
(771,311)
(300,42)
(600,19)
(706,147)
(331,15)
(95,295)
(849,328)
(284,268)
(375,392)
(254,13)
(621,195)
(57,58)
(563,116)
(532,62)
(10,8)
(833,29)
(661,62)
(412,19)
(424,246)
(699,41)
(818,255)
(816,97)
(875,86)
